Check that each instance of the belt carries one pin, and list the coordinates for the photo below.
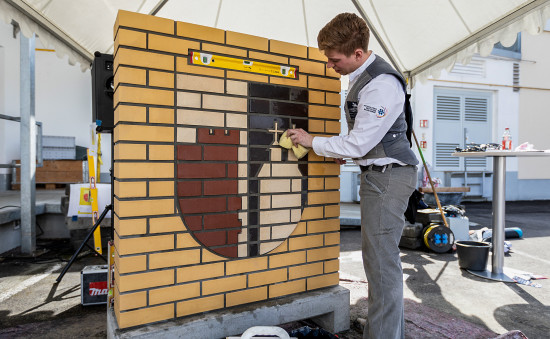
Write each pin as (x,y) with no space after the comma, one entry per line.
(381,169)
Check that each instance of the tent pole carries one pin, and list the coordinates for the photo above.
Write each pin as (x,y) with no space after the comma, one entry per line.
(28,145)
(374,32)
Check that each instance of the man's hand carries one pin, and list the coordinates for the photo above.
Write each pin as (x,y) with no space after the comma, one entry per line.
(299,136)
(340,161)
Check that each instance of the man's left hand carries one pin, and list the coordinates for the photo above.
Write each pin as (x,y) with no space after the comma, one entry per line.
(299,136)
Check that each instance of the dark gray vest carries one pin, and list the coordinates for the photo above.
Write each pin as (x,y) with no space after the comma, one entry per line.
(395,143)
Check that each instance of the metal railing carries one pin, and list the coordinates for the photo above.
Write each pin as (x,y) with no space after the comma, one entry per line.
(40,162)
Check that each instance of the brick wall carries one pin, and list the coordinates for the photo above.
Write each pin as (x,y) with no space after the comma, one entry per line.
(209,211)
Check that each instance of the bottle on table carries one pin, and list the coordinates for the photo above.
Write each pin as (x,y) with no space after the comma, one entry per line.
(507,140)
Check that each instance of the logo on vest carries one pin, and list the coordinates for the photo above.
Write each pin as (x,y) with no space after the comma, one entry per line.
(352,109)
(381,112)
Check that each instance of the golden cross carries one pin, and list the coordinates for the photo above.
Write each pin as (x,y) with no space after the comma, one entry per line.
(275,132)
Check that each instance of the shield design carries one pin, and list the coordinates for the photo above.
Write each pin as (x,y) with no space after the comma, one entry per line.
(239,193)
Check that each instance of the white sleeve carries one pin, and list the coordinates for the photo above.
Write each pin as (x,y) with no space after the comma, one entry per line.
(380,104)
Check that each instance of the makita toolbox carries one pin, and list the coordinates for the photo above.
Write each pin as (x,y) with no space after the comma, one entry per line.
(93,285)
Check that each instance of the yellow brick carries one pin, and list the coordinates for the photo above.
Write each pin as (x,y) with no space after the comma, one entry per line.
(200,32)
(332,183)
(127,37)
(149,96)
(143,21)
(223,284)
(129,75)
(323,281)
(305,270)
(333,99)
(311,156)
(300,82)
(183,66)
(333,127)
(208,256)
(316,198)
(316,97)
(132,57)
(287,259)
(145,316)
(161,115)
(300,243)
(130,151)
(136,208)
(287,288)
(332,266)
(332,239)
(145,244)
(268,57)
(309,67)
(161,79)
(325,84)
(161,188)
(246,296)
(223,50)
(200,272)
(226,103)
(324,169)
(332,211)
(175,258)
(323,253)
(172,293)
(201,118)
(129,301)
(316,125)
(236,87)
(171,45)
(330,72)
(144,133)
(200,305)
(247,76)
(188,99)
(315,184)
(300,229)
(321,226)
(130,189)
(131,264)
(246,265)
(287,48)
(144,170)
(325,112)
(283,247)
(145,280)
(316,54)
(185,240)
(161,152)
(312,213)
(130,226)
(247,41)
(130,113)
(165,224)
(267,277)
(201,84)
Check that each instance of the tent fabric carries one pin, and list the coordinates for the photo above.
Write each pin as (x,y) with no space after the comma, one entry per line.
(413,31)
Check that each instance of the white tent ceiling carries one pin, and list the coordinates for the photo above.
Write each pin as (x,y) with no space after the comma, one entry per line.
(421,37)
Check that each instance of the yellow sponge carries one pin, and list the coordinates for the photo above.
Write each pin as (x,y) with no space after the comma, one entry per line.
(299,151)
(285,141)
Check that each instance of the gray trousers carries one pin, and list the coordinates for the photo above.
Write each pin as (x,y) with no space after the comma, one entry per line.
(384,199)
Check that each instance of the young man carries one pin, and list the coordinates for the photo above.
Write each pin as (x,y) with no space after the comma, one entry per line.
(378,143)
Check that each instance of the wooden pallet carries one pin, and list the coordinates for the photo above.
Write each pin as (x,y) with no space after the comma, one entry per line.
(54,174)
(49,186)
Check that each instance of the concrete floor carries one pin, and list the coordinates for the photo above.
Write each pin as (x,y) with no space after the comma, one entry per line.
(441,300)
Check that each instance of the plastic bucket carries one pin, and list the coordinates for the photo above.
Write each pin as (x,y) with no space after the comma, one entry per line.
(472,255)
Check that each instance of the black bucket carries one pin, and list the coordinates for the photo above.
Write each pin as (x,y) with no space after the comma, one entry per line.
(472,255)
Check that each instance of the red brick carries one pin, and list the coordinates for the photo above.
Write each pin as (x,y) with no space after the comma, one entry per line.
(189,188)
(219,137)
(193,222)
(201,170)
(220,153)
(232,236)
(234,203)
(202,205)
(229,251)
(215,238)
(214,221)
(220,187)
(232,170)
(189,152)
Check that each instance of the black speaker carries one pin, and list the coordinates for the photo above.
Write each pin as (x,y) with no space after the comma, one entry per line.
(102,92)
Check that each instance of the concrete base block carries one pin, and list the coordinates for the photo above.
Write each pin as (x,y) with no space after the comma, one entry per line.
(328,307)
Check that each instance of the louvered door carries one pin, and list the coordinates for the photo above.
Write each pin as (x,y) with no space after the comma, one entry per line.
(461,117)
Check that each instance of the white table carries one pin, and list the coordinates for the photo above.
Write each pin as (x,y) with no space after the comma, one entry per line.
(499,207)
